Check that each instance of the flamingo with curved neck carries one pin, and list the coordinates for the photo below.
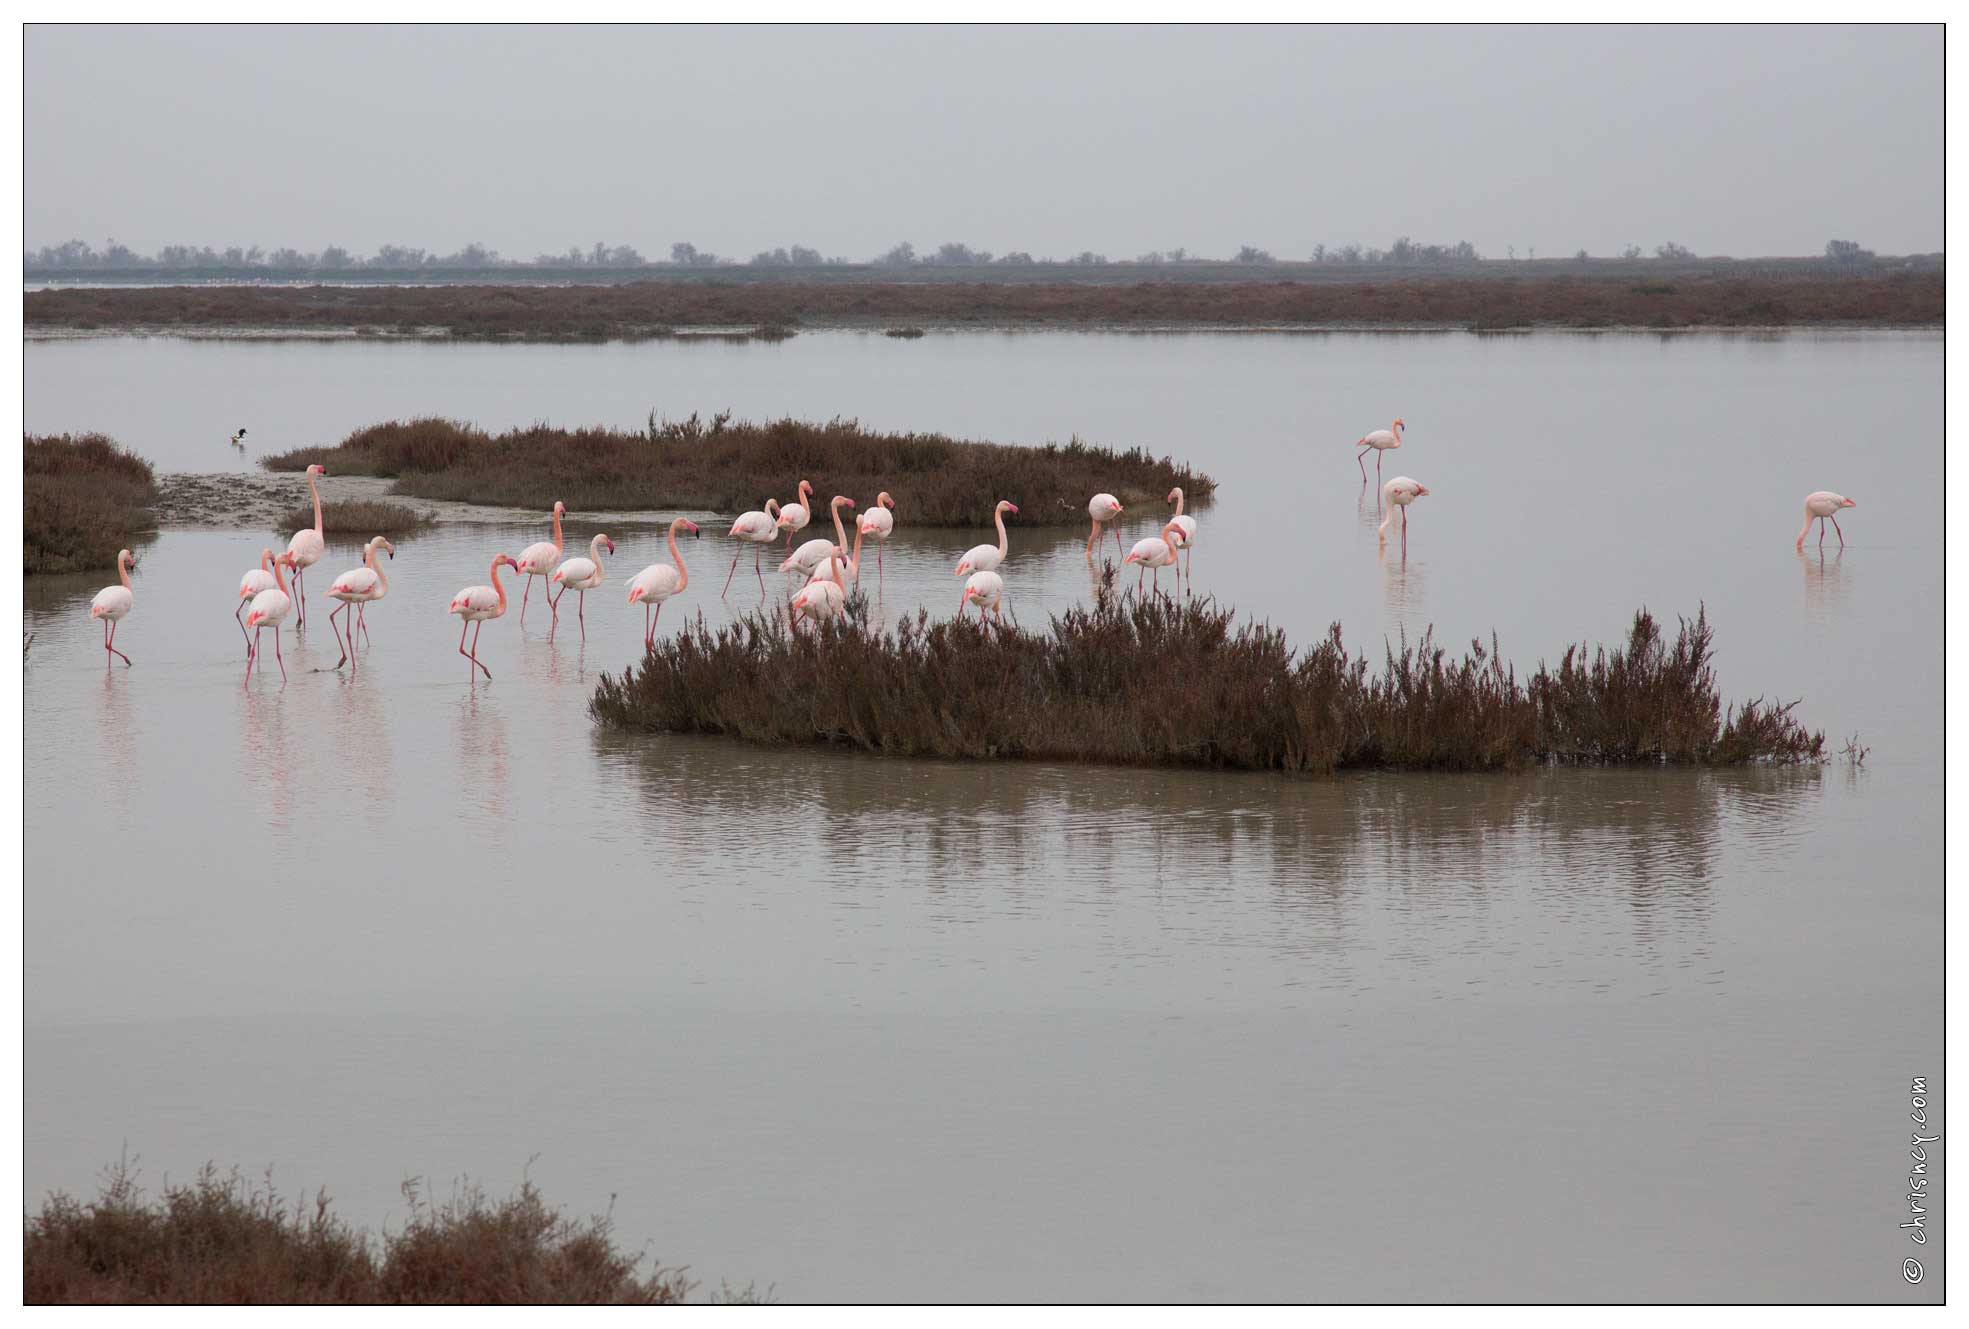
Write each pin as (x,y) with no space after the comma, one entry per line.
(1380,440)
(307,547)
(538,559)
(113,602)
(1399,492)
(1185,528)
(475,604)
(987,558)
(878,524)
(1821,507)
(758,528)
(795,515)
(270,610)
(355,589)
(659,581)
(256,580)
(581,575)
(1155,554)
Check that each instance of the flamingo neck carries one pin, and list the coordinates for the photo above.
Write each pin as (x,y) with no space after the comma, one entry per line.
(266,557)
(123,568)
(557,530)
(683,573)
(1179,502)
(382,577)
(1092,536)
(772,508)
(595,551)
(998,516)
(840,532)
(856,560)
(280,576)
(499,587)
(1806,529)
(316,495)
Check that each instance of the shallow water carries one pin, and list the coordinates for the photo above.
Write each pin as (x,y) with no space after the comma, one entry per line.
(918,1030)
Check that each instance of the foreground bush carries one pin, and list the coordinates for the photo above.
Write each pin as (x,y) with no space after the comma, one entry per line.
(1145,682)
(362,517)
(221,1240)
(732,467)
(84,497)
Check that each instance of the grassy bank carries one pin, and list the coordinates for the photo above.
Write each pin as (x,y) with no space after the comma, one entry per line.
(1660,297)
(722,466)
(1151,682)
(84,497)
(359,517)
(222,1240)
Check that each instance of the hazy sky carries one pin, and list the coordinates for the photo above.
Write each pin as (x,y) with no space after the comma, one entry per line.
(1121,140)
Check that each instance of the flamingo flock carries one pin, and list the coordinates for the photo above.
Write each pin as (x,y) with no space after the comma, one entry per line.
(826,568)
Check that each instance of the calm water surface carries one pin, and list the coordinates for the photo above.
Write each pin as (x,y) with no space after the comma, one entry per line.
(917,1030)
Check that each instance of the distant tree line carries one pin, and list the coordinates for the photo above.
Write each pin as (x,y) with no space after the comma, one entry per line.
(80,256)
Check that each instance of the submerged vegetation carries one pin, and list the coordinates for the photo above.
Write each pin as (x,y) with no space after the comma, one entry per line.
(1154,682)
(356,517)
(726,466)
(85,496)
(222,1240)
(1546,295)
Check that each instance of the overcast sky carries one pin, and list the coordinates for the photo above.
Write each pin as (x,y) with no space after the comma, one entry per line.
(1121,140)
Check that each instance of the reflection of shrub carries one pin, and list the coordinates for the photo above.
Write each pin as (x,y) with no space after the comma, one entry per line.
(1153,682)
(85,497)
(732,467)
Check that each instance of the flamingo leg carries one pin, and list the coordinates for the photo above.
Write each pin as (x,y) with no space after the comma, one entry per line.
(1138,581)
(649,628)
(242,628)
(758,554)
(111,643)
(1186,569)
(1378,456)
(878,568)
(251,643)
(728,579)
(1092,536)
(658,619)
(338,636)
(476,629)
(1821,532)
(463,628)
(278,656)
(362,621)
(553,603)
(300,603)
(581,611)
(1842,534)
(1363,465)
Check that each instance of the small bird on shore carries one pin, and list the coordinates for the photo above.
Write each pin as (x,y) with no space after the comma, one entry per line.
(238,440)
(1380,441)
(1399,492)
(112,603)
(1821,506)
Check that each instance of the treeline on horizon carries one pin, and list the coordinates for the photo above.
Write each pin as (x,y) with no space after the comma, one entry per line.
(80,256)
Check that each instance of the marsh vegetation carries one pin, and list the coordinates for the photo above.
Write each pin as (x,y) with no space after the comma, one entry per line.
(85,496)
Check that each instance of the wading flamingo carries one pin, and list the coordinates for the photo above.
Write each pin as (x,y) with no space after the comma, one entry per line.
(112,603)
(1820,507)
(358,587)
(270,610)
(808,557)
(1399,493)
(538,560)
(1155,555)
(756,528)
(987,558)
(986,590)
(1101,507)
(580,575)
(307,547)
(255,581)
(659,581)
(824,596)
(878,524)
(475,604)
(1185,528)
(1381,440)
(795,515)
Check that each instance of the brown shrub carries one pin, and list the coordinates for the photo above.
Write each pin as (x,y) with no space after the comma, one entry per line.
(731,467)
(359,517)
(1154,682)
(84,498)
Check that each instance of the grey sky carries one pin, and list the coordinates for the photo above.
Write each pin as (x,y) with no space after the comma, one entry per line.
(1121,140)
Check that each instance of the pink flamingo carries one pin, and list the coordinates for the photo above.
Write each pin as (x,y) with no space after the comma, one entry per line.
(756,528)
(1400,492)
(1155,554)
(538,560)
(475,604)
(580,575)
(1381,440)
(269,610)
(1101,507)
(1185,528)
(987,558)
(824,596)
(112,603)
(807,558)
(1820,506)
(358,587)
(659,581)
(986,590)
(307,547)
(795,515)
(256,580)
(878,524)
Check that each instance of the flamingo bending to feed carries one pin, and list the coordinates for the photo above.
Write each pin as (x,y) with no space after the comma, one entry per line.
(1381,440)
(358,587)
(808,557)
(1400,492)
(269,610)
(878,525)
(1101,507)
(1185,527)
(475,604)
(758,528)
(113,602)
(986,590)
(580,575)
(659,581)
(987,558)
(795,515)
(1155,554)
(1821,507)
(824,596)
(307,547)
(538,560)
(256,580)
